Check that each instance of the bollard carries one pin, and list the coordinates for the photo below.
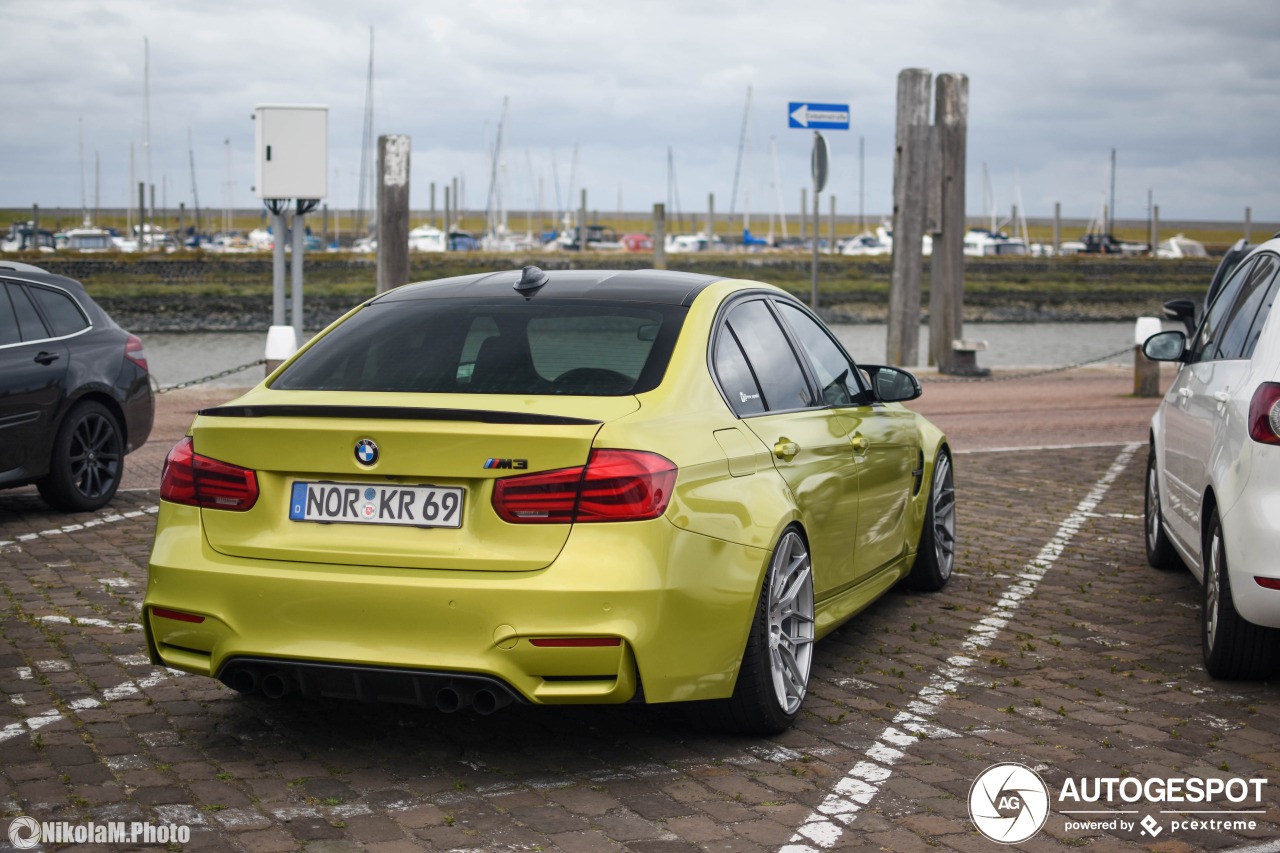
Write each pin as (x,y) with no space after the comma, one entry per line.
(281,344)
(1146,373)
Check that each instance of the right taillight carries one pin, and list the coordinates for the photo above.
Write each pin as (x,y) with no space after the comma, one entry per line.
(1264,414)
(136,352)
(614,485)
(196,480)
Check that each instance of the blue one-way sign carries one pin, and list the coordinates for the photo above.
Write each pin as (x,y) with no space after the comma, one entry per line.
(818,116)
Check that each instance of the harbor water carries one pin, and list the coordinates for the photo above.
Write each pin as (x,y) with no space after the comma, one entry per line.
(183,356)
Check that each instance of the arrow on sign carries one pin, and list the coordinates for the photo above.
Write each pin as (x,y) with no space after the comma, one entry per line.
(819,116)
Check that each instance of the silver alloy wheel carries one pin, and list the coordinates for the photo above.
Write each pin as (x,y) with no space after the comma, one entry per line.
(1153,507)
(1212,587)
(944,515)
(790,614)
(94,455)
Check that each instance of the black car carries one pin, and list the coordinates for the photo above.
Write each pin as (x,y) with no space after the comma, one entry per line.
(75,392)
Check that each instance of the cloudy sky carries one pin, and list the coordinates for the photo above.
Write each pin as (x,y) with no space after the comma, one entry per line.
(1186,91)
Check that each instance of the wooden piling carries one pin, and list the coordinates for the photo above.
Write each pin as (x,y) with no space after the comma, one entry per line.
(910,163)
(946,293)
(393,211)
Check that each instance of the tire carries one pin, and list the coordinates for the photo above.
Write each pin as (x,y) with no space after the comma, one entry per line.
(87,461)
(774,676)
(1160,552)
(1233,648)
(936,554)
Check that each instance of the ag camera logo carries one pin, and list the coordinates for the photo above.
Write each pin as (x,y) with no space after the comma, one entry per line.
(1008,803)
(24,833)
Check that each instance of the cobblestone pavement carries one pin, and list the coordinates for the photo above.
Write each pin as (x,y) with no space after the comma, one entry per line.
(1054,646)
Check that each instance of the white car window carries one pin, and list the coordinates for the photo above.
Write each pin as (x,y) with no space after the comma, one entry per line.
(1252,292)
(1211,327)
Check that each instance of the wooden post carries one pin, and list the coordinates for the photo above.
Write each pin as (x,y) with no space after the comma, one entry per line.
(182,223)
(35,229)
(659,236)
(1155,229)
(1248,224)
(432,217)
(910,159)
(447,227)
(831,223)
(804,213)
(1057,228)
(711,216)
(142,215)
(946,294)
(582,222)
(457,206)
(324,227)
(393,211)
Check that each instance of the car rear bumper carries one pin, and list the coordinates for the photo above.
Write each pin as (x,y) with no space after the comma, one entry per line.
(679,605)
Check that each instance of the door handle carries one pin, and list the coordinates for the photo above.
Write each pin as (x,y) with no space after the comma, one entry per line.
(1184,392)
(785,448)
(46,357)
(1221,396)
(860,444)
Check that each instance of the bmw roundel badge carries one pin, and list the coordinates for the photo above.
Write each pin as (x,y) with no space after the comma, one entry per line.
(366,451)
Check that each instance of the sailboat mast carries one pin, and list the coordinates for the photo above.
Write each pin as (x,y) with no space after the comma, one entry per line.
(742,141)
(364,197)
(84,200)
(143,218)
(195,193)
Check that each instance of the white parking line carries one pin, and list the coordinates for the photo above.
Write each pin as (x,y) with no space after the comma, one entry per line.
(824,827)
(93,623)
(71,528)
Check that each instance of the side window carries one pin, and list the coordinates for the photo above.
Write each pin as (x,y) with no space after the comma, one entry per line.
(735,376)
(1249,299)
(1210,332)
(1260,320)
(29,322)
(782,382)
(9,333)
(60,310)
(836,374)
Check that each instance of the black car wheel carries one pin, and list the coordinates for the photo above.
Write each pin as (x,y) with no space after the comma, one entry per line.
(1233,647)
(84,472)
(936,554)
(1160,553)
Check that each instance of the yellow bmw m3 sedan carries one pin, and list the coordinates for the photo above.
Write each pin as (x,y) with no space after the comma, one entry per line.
(548,488)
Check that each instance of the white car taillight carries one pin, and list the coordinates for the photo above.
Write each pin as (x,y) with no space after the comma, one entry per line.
(1264,414)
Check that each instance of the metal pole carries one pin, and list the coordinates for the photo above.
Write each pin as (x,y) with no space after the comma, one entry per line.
(432,217)
(1155,228)
(35,228)
(277,267)
(142,215)
(711,216)
(1057,228)
(582,222)
(447,229)
(862,220)
(659,237)
(1110,229)
(295,270)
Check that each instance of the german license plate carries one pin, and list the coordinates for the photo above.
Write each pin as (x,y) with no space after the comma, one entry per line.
(362,503)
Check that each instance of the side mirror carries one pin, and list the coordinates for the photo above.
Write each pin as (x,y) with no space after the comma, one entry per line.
(1183,310)
(891,384)
(1166,346)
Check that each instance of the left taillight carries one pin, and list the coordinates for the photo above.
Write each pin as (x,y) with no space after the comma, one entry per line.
(196,480)
(1264,413)
(614,485)
(136,352)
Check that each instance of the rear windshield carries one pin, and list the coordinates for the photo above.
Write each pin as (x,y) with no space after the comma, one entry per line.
(464,346)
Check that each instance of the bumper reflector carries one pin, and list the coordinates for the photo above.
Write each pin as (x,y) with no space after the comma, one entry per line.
(176,614)
(575,642)
(1268,583)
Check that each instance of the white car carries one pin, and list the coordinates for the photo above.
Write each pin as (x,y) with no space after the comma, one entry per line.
(1213,472)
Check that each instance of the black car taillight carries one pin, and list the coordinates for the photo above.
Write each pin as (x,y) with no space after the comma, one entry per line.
(195,480)
(1264,413)
(614,485)
(135,352)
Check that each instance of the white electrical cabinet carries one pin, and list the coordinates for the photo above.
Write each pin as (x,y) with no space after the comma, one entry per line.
(292,142)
